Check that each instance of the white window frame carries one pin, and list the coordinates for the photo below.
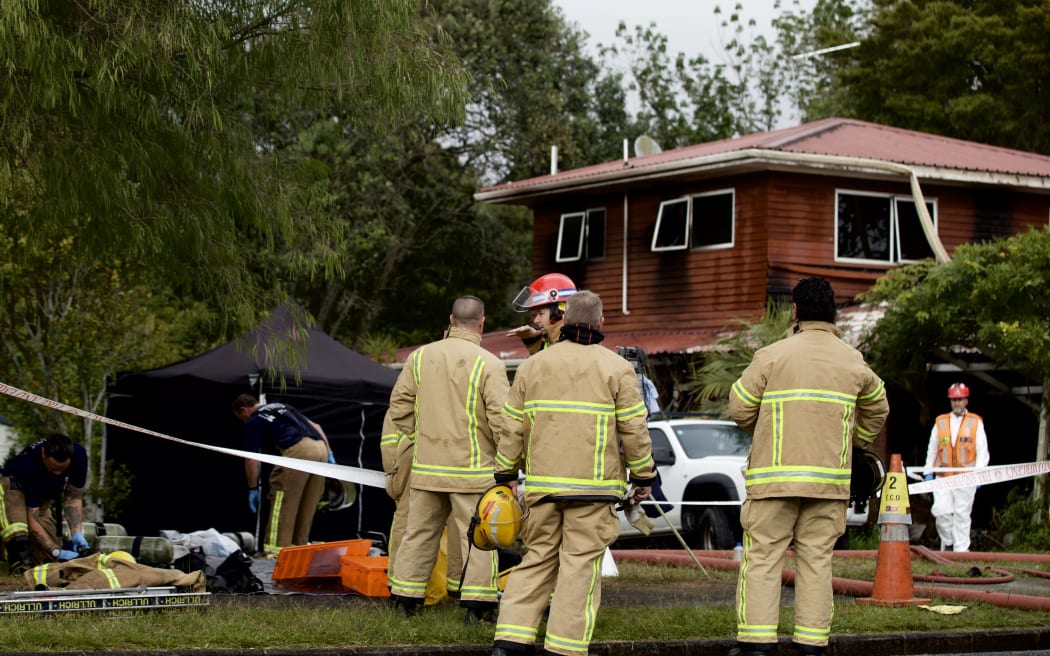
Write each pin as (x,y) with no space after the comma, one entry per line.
(581,237)
(690,223)
(894,227)
(732,219)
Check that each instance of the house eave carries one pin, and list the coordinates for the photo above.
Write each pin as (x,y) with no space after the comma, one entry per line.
(743,161)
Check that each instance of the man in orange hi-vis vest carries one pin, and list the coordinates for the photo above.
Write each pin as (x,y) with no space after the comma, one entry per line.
(957,440)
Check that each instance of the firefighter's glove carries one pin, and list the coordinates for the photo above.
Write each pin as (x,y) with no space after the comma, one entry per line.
(80,543)
(67,554)
(331,458)
(253,499)
(636,517)
(928,477)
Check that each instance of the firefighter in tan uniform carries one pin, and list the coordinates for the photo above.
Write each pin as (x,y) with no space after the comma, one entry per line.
(544,300)
(957,440)
(396,450)
(808,399)
(448,399)
(576,422)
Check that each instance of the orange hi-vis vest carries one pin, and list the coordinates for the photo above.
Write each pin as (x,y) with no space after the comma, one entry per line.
(964,453)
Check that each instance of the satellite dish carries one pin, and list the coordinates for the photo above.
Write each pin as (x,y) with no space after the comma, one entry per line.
(646,145)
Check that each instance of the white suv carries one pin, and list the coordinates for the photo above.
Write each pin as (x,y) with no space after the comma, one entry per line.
(701,462)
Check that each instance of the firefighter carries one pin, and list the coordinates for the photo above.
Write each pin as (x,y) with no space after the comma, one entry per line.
(447,400)
(43,472)
(957,440)
(807,400)
(544,300)
(576,422)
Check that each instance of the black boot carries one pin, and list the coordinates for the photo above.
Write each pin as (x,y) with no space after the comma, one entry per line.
(753,649)
(508,648)
(479,612)
(406,606)
(18,555)
(808,650)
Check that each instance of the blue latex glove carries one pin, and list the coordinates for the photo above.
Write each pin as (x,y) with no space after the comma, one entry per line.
(253,499)
(331,458)
(928,477)
(66,554)
(79,541)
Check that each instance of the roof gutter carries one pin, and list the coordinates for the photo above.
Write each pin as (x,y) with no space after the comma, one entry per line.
(631,173)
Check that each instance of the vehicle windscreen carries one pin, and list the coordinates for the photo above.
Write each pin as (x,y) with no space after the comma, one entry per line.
(703,440)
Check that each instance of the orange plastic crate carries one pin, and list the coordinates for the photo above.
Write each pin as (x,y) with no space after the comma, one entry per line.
(316,560)
(366,575)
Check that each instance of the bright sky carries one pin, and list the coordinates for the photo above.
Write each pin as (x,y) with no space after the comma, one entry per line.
(690,26)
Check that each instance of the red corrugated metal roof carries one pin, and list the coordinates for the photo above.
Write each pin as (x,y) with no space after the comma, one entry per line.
(837,137)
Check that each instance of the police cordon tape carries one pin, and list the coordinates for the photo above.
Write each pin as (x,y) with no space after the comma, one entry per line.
(973,477)
(339,472)
(372,478)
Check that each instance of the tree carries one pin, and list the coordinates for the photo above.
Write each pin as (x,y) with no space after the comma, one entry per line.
(402,190)
(993,297)
(70,320)
(138,117)
(722,365)
(975,70)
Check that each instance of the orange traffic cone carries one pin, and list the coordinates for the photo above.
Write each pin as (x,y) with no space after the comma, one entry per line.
(893,579)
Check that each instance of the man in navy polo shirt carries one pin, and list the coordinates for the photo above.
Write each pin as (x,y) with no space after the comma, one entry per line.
(46,471)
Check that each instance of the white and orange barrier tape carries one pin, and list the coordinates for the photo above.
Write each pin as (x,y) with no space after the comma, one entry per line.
(974,477)
(339,472)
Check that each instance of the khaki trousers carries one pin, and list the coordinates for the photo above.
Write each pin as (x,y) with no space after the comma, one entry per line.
(294,496)
(14,522)
(770,527)
(566,543)
(428,514)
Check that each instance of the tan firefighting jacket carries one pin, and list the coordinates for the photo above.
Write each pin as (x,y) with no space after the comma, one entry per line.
(396,450)
(576,422)
(103,572)
(448,400)
(808,399)
(547,336)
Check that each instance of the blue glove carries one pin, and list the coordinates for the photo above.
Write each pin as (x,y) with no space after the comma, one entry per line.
(331,458)
(928,477)
(253,499)
(79,542)
(66,554)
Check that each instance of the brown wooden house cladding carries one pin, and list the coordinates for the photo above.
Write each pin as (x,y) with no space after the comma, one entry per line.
(785,188)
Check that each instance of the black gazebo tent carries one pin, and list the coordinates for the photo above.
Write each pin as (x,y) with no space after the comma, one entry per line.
(175,486)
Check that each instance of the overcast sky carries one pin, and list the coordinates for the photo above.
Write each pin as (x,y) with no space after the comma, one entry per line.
(690,26)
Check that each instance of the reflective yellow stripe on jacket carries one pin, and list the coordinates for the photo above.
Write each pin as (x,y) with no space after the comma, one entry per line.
(777,472)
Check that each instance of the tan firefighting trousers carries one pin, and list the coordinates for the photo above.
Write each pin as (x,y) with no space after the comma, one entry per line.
(13,521)
(566,543)
(428,514)
(770,527)
(103,572)
(293,498)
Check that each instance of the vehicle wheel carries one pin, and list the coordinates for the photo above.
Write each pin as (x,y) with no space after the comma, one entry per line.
(712,530)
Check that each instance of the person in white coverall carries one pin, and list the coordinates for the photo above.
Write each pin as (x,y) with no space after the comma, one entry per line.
(957,440)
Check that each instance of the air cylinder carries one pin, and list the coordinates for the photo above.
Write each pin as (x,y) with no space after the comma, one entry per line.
(147,550)
(244,540)
(93,530)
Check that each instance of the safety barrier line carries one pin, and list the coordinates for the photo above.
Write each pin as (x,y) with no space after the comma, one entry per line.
(339,472)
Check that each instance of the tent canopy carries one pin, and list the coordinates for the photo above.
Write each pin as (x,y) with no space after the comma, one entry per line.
(174,486)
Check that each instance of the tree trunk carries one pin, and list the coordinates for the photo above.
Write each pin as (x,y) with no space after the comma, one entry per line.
(1039,486)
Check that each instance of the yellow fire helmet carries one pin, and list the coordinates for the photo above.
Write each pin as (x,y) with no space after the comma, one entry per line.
(119,555)
(497,519)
